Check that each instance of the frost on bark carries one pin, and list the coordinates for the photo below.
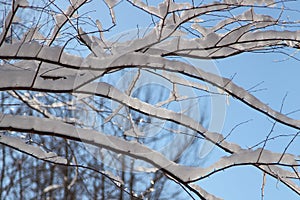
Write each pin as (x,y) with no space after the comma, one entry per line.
(58,76)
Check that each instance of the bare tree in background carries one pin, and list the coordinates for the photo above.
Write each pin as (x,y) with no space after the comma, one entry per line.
(78,103)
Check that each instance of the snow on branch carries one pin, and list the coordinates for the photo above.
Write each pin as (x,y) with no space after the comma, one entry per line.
(34,151)
(184,173)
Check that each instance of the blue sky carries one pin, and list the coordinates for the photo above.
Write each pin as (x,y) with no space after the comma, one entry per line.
(279,78)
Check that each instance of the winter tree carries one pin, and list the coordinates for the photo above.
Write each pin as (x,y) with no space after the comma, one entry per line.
(123,100)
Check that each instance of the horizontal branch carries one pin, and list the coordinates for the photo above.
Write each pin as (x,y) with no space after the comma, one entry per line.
(129,60)
(36,152)
(43,126)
